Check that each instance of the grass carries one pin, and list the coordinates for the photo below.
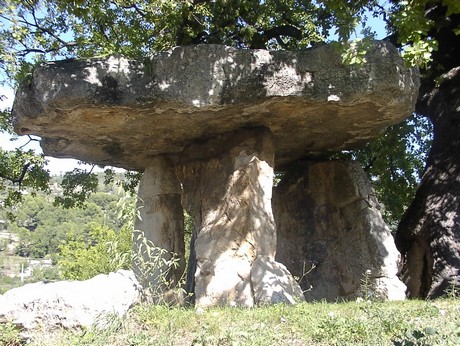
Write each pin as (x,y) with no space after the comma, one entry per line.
(377,323)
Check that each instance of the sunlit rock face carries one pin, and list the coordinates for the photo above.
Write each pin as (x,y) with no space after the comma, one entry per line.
(122,112)
(221,120)
(331,232)
(228,189)
(45,307)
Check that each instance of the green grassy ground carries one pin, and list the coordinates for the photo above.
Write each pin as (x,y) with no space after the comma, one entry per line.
(376,323)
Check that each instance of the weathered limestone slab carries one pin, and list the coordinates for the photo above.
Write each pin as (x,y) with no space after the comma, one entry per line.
(227,184)
(70,304)
(114,111)
(327,217)
(159,225)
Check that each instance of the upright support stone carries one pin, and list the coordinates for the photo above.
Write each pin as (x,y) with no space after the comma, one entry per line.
(227,184)
(161,224)
(329,225)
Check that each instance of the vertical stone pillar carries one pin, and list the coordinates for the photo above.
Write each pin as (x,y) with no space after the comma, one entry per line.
(160,222)
(331,232)
(227,184)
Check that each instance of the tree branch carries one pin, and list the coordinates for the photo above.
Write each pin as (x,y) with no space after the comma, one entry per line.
(283,30)
(21,177)
(30,140)
(383,12)
(136,8)
(259,40)
(45,30)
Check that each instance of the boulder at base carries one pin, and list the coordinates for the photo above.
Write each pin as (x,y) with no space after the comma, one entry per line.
(70,304)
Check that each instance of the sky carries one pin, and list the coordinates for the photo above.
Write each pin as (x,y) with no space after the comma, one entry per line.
(60,166)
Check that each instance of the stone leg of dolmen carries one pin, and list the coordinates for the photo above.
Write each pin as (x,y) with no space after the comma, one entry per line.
(159,230)
(227,188)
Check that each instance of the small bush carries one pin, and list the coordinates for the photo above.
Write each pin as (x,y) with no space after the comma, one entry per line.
(157,271)
(101,252)
(9,335)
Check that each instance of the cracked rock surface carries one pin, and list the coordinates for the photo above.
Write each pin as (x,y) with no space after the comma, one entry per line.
(115,111)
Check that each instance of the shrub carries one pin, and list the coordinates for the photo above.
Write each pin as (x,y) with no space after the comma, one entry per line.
(102,251)
(9,335)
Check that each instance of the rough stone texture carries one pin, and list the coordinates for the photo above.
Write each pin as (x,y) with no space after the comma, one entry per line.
(327,216)
(160,224)
(227,189)
(272,283)
(120,112)
(70,304)
(225,117)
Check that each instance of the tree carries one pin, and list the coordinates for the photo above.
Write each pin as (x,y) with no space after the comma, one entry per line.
(425,30)
(101,252)
(428,235)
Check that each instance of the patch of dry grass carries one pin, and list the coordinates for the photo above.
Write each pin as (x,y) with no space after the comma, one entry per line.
(366,323)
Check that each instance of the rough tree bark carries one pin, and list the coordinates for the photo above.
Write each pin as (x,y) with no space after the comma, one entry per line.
(428,235)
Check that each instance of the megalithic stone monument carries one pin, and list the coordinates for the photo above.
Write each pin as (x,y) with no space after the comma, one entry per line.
(223,119)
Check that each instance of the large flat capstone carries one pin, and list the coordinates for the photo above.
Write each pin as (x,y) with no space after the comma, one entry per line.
(115,111)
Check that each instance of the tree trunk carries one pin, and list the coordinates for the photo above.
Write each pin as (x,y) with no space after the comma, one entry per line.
(428,235)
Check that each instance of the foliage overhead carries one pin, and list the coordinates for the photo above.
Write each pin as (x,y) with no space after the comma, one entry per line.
(32,31)
(36,30)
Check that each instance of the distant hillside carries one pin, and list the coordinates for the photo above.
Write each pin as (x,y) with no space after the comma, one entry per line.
(31,240)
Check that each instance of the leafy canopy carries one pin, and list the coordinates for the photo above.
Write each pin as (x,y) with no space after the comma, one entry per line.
(32,31)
